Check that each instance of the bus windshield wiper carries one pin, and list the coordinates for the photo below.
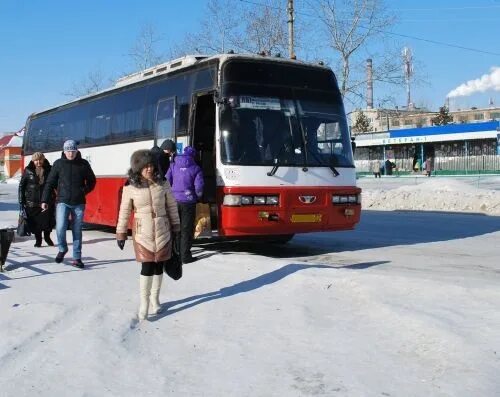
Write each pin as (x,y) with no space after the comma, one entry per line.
(315,155)
(275,168)
(276,159)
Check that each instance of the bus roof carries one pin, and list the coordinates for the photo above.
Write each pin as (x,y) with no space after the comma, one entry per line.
(177,65)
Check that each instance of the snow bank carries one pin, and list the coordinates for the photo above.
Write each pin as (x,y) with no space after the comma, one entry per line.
(435,194)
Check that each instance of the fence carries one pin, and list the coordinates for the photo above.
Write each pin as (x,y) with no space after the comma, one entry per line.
(483,164)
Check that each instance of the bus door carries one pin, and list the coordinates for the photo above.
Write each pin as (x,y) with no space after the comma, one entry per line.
(165,120)
(202,122)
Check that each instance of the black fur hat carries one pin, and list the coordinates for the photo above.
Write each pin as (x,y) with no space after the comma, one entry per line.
(140,159)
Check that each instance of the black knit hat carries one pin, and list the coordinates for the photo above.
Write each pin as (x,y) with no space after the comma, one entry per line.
(168,144)
(140,159)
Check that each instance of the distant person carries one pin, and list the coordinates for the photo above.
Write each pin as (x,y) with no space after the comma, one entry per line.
(155,220)
(353,144)
(31,188)
(186,179)
(388,166)
(428,166)
(73,179)
(375,168)
(163,155)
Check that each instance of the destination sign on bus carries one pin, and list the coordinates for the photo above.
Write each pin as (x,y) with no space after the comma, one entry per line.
(252,102)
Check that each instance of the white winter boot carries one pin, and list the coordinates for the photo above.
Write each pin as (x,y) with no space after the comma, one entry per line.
(155,294)
(145,283)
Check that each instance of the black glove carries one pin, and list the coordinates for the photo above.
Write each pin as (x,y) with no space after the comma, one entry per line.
(176,236)
(121,244)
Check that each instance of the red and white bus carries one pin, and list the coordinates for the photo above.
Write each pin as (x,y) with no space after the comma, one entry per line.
(271,136)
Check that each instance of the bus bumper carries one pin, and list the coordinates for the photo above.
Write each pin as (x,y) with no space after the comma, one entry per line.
(300,210)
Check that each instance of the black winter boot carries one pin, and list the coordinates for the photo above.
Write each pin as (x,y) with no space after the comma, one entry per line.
(46,237)
(38,240)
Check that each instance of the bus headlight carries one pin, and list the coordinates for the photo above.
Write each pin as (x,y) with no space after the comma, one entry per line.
(259,200)
(272,200)
(352,199)
(236,200)
(232,200)
(346,199)
(246,200)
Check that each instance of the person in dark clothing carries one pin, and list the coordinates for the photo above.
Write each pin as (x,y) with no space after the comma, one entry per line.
(73,178)
(163,155)
(389,166)
(428,166)
(353,144)
(186,179)
(30,198)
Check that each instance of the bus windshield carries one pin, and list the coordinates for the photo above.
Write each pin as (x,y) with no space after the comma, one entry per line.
(267,130)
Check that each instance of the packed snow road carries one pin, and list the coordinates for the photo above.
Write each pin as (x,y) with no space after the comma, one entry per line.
(406,305)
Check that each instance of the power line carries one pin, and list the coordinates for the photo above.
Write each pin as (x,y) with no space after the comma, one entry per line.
(446,8)
(435,42)
(395,34)
(449,20)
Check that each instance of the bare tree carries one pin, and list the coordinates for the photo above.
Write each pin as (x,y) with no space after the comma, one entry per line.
(242,27)
(93,82)
(144,53)
(217,32)
(266,28)
(350,26)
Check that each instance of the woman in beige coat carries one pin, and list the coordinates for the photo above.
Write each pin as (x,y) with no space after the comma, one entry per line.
(155,220)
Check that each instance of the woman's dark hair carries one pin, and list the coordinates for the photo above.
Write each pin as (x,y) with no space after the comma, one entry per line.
(140,159)
(135,178)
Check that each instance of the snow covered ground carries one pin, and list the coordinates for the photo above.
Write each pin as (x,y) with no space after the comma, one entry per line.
(462,194)
(405,305)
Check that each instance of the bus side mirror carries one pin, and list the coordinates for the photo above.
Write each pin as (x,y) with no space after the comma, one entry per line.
(218,99)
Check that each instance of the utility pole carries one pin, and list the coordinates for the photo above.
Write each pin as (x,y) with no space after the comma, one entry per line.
(291,51)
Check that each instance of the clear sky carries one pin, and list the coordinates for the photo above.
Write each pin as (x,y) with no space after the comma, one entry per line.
(47,45)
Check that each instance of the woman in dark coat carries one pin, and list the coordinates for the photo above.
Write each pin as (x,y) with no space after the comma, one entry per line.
(30,193)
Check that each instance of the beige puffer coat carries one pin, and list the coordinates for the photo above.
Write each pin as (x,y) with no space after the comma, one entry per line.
(155,217)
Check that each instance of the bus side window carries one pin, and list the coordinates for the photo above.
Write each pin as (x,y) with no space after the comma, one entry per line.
(165,118)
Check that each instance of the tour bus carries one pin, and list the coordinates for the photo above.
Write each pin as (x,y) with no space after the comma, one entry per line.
(270,133)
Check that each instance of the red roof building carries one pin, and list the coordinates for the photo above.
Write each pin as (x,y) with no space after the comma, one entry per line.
(10,155)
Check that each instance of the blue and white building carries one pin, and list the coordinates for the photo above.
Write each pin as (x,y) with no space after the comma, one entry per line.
(453,148)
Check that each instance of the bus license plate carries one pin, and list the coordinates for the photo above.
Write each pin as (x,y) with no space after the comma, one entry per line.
(303,218)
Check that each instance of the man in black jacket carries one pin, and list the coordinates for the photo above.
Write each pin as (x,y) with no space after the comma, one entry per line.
(73,178)
(163,155)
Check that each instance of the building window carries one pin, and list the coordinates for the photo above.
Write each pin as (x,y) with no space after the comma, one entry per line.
(478,116)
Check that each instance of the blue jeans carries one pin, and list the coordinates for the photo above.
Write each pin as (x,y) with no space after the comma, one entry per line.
(62,219)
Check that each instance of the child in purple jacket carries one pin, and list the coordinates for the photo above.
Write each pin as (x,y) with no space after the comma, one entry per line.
(186,179)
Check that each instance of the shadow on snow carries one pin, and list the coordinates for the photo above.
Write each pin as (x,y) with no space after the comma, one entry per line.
(377,229)
(253,284)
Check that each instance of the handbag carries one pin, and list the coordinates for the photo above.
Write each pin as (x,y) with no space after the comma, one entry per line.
(173,266)
(23,229)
